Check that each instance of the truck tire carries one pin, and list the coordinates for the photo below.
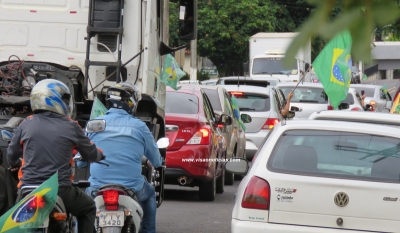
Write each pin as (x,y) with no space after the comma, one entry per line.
(3,191)
(207,190)
(221,182)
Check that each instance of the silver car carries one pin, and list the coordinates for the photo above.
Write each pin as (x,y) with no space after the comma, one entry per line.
(234,134)
(353,99)
(263,105)
(308,98)
(375,95)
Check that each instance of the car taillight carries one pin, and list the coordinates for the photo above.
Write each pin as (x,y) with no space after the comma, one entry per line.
(111,197)
(330,107)
(356,109)
(270,123)
(236,93)
(257,194)
(201,137)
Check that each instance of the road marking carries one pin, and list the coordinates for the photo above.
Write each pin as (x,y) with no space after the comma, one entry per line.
(392,89)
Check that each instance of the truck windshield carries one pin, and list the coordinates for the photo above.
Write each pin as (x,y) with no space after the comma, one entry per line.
(272,65)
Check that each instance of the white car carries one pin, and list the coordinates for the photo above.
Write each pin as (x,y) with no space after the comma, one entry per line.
(375,95)
(321,176)
(353,99)
(361,117)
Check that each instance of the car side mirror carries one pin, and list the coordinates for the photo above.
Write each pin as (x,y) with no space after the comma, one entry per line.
(238,166)
(290,114)
(163,143)
(306,67)
(294,109)
(95,126)
(344,106)
(246,118)
(225,119)
(188,19)
(246,67)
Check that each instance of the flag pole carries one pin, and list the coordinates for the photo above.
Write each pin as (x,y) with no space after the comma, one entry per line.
(304,75)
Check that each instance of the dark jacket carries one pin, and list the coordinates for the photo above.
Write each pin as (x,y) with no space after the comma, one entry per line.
(45,142)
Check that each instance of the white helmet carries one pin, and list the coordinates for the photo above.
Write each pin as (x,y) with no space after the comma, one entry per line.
(52,95)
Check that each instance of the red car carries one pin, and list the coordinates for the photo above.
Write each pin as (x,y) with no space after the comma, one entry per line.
(197,147)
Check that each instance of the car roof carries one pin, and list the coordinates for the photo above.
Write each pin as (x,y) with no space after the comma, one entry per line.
(188,89)
(356,116)
(251,89)
(210,87)
(235,77)
(344,126)
(365,85)
(302,84)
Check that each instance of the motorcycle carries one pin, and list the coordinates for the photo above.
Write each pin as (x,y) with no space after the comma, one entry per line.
(118,209)
(59,219)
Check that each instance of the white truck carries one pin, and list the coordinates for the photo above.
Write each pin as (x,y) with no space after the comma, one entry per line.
(266,51)
(89,45)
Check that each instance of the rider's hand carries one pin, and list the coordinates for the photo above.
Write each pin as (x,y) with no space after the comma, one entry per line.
(290,96)
(149,164)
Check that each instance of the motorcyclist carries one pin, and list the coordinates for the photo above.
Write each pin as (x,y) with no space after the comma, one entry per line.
(43,143)
(125,140)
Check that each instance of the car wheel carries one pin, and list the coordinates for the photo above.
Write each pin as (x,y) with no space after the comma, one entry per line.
(207,190)
(220,182)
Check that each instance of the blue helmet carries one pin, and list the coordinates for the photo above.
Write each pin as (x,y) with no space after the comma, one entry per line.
(52,95)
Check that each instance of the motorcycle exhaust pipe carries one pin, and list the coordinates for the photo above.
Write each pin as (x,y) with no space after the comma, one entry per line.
(182,180)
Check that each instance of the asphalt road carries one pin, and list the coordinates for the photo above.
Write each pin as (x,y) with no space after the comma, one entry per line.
(183,212)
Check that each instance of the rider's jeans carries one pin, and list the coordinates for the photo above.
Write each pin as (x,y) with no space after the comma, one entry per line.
(147,200)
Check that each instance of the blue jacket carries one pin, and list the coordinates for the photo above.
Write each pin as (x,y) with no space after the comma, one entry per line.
(124,141)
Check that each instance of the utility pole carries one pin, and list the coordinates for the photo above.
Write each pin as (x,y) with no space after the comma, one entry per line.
(193,60)
(166,22)
(361,68)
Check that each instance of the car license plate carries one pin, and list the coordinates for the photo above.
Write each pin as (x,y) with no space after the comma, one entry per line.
(111,219)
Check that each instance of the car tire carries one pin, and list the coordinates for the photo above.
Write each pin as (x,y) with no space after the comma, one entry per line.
(208,190)
(221,182)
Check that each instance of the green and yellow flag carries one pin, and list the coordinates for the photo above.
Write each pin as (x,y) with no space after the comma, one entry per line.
(333,68)
(171,72)
(236,112)
(98,109)
(28,214)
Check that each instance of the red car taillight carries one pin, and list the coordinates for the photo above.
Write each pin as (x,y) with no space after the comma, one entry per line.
(257,194)
(201,137)
(111,197)
(330,107)
(270,123)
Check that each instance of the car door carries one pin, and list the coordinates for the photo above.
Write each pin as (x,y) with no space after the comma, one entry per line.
(235,129)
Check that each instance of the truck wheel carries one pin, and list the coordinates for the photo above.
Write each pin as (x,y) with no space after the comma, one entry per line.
(207,190)
(220,182)
(3,193)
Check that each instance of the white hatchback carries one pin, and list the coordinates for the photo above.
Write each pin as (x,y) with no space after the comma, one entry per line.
(321,176)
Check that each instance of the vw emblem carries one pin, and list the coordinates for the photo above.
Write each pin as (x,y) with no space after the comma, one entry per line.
(341,199)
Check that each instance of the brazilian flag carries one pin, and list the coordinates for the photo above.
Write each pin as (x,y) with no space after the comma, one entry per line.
(172,73)
(333,68)
(28,214)
(98,109)
(236,112)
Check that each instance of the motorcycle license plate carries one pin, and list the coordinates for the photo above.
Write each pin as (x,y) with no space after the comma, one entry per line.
(111,219)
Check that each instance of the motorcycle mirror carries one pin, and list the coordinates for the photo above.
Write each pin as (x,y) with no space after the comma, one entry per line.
(95,126)
(6,135)
(163,143)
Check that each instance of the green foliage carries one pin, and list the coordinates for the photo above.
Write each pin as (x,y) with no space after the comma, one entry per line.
(360,17)
(224,29)
(201,76)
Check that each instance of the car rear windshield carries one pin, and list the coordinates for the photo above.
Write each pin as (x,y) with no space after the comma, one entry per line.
(252,102)
(337,155)
(214,98)
(369,92)
(306,95)
(181,103)
(349,99)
